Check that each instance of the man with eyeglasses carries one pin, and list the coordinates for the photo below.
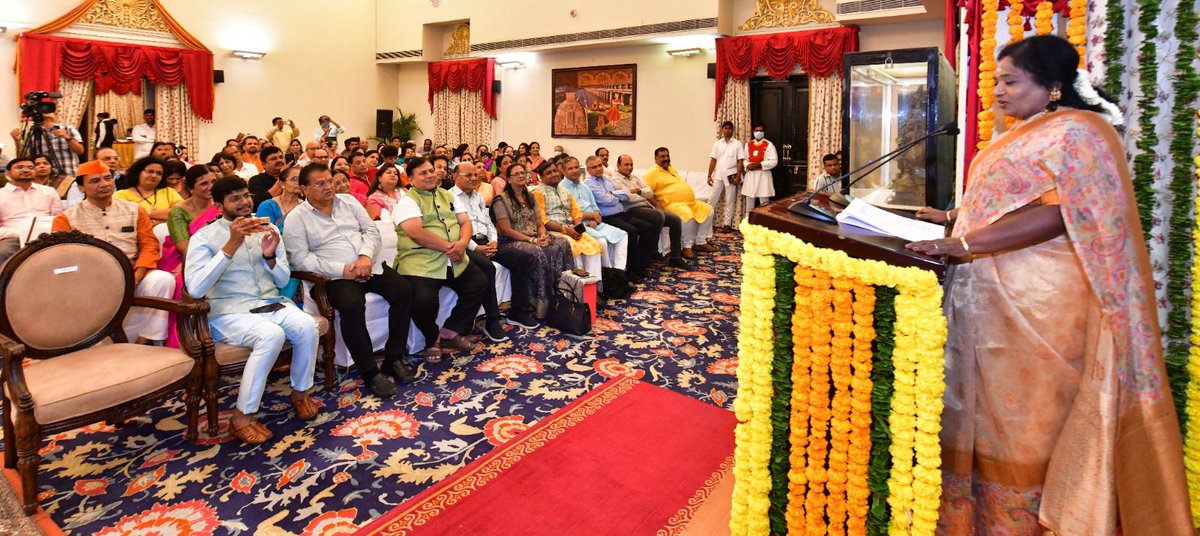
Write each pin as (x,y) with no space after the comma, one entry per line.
(433,230)
(21,200)
(332,235)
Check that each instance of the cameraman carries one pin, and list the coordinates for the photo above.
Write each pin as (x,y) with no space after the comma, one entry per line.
(62,141)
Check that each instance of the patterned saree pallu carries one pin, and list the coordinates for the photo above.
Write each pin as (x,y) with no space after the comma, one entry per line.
(840,382)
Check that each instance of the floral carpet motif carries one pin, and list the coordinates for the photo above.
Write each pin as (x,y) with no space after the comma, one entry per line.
(363,456)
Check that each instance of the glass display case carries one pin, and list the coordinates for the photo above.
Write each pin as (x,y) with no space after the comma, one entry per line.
(892,98)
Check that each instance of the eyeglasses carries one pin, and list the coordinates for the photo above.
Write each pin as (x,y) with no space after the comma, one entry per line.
(520,174)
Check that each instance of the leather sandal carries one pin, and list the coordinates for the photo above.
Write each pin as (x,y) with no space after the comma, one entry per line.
(432,355)
(251,434)
(457,344)
(306,408)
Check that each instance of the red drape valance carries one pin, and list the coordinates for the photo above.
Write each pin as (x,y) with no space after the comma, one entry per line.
(473,75)
(819,53)
(115,67)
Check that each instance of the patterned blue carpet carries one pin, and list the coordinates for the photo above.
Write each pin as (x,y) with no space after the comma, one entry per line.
(363,456)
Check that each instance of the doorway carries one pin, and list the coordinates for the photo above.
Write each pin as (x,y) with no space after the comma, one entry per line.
(781,107)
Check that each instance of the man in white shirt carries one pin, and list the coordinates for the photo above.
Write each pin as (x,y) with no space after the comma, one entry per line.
(832,168)
(21,200)
(484,248)
(725,171)
(332,236)
(328,129)
(143,135)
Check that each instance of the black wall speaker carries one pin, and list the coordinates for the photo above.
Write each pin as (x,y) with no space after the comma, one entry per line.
(383,123)
(218,76)
(712,71)
(495,86)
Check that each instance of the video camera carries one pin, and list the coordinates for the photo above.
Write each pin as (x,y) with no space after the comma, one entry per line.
(38,103)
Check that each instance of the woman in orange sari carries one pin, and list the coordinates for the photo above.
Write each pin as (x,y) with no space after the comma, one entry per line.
(1058,414)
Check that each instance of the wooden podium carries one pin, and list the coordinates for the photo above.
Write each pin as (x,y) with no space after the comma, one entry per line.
(840,380)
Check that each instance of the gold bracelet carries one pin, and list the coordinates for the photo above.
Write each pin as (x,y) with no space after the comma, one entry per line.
(966,248)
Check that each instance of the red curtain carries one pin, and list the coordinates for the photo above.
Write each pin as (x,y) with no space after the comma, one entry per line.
(819,53)
(116,67)
(473,75)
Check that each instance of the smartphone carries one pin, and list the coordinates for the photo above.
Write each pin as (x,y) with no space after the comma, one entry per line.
(268,308)
(581,228)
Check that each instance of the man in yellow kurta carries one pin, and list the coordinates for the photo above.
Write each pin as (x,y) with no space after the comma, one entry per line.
(675,196)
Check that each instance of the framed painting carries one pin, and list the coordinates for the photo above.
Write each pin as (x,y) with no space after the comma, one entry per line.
(594,102)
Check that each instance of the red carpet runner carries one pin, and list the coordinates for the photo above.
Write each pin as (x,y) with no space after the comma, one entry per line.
(626,458)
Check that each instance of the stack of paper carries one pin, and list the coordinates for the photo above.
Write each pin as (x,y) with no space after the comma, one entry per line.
(869,217)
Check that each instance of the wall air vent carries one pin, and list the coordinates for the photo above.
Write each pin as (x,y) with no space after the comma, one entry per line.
(864,9)
(398,55)
(614,33)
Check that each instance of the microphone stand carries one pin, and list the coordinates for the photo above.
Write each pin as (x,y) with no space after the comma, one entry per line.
(806,207)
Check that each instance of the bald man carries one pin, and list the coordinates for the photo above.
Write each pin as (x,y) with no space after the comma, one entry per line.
(310,150)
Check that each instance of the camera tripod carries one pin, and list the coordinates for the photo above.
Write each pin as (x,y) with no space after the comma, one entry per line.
(36,141)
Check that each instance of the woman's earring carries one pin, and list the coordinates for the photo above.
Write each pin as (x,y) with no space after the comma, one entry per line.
(1055,95)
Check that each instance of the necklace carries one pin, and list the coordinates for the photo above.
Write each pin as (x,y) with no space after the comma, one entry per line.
(151,200)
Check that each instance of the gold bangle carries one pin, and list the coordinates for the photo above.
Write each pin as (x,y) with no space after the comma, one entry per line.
(966,248)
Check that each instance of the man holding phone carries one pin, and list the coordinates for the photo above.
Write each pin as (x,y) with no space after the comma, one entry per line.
(238,262)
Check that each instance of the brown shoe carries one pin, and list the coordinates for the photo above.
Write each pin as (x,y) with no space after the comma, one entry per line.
(705,248)
(306,408)
(687,253)
(253,433)
(457,344)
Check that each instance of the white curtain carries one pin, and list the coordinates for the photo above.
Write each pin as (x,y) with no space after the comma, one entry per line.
(824,121)
(126,109)
(735,107)
(174,120)
(459,117)
(76,94)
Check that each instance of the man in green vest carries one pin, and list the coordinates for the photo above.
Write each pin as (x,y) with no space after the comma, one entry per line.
(432,231)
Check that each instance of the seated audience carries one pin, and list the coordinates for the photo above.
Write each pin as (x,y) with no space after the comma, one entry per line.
(433,231)
(521,227)
(643,233)
(277,208)
(535,155)
(127,226)
(43,170)
(831,168)
(266,185)
(386,191)
(150,189)
(238,263)
(21,200)
(331,235)
(183,220)
(163,150)
(641,202)
(483,249)
(110,158)
(295,151)
(675,196)
(485,187)
(320,156)
(441,172)
(310,149)
(361,174)
(173,172)
(560,214)
(500,175)
(616,241)
(250,147)
(341,185)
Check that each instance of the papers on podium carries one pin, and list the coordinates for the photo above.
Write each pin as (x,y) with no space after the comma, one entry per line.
(864,215)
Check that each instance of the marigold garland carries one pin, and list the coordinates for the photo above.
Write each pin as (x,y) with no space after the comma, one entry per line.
(842,373)
(1043,19)
(801,330)
(1191,427)
(818,404)
(1077,29)
(858,490)
(987,70)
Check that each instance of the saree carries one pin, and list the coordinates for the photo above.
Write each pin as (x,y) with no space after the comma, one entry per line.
(1057,413)
(171,261)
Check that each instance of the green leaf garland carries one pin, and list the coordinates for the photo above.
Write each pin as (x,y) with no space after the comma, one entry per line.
(1114,48)
(1147,143)
(781,380)
(882,377)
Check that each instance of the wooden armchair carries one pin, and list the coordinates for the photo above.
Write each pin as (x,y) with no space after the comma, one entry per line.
(59,297)
(221,359)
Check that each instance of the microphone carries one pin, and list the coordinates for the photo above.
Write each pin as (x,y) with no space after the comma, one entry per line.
(806,207)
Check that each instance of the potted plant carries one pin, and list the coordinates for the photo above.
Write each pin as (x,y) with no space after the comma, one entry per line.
(405,126)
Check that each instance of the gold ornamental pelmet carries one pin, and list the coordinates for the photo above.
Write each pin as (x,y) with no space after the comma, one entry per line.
(784,13)
(135,14)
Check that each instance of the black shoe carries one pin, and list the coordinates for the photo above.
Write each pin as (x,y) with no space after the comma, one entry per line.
(401,372)
(658,257)
(382,387)
(494,331)
(678,263)
(522,319)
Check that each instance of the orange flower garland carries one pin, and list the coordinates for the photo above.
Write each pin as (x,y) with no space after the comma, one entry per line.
(818,403)
(801,328)
(857,492)
(987,70)
(842,374)
(1043,21)
(1016,20)
(1077,29)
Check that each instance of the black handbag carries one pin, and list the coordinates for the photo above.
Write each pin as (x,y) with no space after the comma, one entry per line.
(569,314)
(616,283)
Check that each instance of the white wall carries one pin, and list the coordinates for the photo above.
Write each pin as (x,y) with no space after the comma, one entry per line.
(915,34)
(320,60)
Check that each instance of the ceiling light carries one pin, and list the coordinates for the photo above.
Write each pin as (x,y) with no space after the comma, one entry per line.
(686,51)
(512,64)
(249,55)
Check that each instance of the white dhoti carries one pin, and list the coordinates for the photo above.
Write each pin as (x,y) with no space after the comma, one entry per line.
(144,322)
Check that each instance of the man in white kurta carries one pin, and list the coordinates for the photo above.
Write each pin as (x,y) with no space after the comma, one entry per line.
(725,172)
(760,158)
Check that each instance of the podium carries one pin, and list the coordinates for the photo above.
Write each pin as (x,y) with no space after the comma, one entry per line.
(840,380)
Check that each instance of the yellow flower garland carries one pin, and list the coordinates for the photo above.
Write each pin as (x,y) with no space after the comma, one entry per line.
(858,492)
(915,481)
(801,329)
(1077,29)
(987,70)
(1191,447)
(1043,19)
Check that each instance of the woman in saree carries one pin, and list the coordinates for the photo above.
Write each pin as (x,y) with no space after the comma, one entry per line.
(1058,416)
(183,220)
(519,224)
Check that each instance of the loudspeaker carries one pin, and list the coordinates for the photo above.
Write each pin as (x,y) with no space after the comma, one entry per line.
(218,76)
(495,86)
(712,71)
(383,123)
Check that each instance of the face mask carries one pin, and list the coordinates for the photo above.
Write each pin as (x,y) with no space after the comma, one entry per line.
(557,153)
(758,134)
